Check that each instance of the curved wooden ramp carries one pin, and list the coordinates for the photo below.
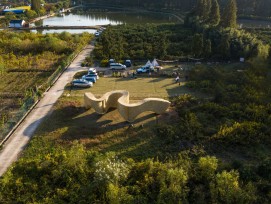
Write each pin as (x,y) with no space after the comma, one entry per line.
(120,99)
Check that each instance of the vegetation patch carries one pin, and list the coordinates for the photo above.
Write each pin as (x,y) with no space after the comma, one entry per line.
(201,150)
(28,64)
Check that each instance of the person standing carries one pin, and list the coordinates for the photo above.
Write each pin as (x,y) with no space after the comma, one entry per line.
(177,80)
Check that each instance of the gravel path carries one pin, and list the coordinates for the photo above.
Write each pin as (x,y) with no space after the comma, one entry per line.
(22,135)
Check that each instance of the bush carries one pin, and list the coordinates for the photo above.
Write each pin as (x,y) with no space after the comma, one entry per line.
(244,133)
(167,132)
(264,169)
(104,63)
(207,167)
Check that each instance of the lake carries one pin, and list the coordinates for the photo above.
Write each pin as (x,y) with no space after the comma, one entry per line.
(98,18)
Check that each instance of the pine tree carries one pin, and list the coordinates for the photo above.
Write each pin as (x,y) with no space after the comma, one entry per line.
(200,8)
(224,47)
(207,49)
(35,5)
(207,9)
(203,9)
(230,15)
(214,17)
(197,45)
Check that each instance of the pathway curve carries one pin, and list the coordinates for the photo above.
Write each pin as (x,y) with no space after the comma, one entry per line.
(22,135)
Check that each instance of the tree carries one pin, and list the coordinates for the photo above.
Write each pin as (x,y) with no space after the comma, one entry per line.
(207,167)
(230,15)
(31,14)
(197,45)
(214,17)
(226,189)
(199,8)
(207,48)
(207,9)
(2,69)
(35,5)
(224,46)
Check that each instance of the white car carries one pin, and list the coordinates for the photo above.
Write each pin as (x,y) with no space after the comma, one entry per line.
(145,69)
(82,83)
(92,70)
(117,66)
(97,34)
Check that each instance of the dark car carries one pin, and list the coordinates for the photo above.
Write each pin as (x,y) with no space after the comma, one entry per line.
(128,63)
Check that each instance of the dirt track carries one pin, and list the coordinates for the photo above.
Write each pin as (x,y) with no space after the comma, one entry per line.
(22,135)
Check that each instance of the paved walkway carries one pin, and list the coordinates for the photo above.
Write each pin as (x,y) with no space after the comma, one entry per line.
(20,138)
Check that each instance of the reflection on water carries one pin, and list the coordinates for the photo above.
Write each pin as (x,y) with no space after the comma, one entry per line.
(79,20)
(73,31)
(113,18)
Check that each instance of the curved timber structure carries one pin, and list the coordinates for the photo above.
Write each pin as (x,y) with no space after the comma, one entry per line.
(120,100)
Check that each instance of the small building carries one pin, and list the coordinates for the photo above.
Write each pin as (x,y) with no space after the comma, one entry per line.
(16,23)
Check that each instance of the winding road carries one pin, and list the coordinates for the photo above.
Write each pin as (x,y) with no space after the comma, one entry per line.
(22,135)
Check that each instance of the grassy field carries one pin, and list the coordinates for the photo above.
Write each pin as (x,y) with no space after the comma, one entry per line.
(139,88)
(70,121)
(103,133)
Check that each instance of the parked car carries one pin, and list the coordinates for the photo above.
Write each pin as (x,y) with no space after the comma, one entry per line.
(145,69)
(82,83)
(92,71)
(111,61)
(128,63)
(91,78)
(93,75)
(97,34)
(117,66)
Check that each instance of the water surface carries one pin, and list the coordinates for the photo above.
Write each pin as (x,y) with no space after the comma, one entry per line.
(113,18)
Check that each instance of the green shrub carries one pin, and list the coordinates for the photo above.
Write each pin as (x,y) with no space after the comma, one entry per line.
(167,132)
(207,167)
(244,133)
(104,63)
(264,169)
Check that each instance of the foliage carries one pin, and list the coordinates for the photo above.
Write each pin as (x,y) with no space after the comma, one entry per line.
(143,42)
(215,149)
(245,133)
(230,15)
(189,162)
(34,59)
(214,18)
(226,189)
(35,5)
(110,170)
(169,41)
(207,167)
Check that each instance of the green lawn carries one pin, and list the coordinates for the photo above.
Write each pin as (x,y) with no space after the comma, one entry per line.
(140,88)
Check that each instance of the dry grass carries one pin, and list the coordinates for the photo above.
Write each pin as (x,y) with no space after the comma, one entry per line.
(71,122)
(110,132)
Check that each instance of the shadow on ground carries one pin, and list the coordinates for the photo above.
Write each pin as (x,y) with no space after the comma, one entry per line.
(104,133)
